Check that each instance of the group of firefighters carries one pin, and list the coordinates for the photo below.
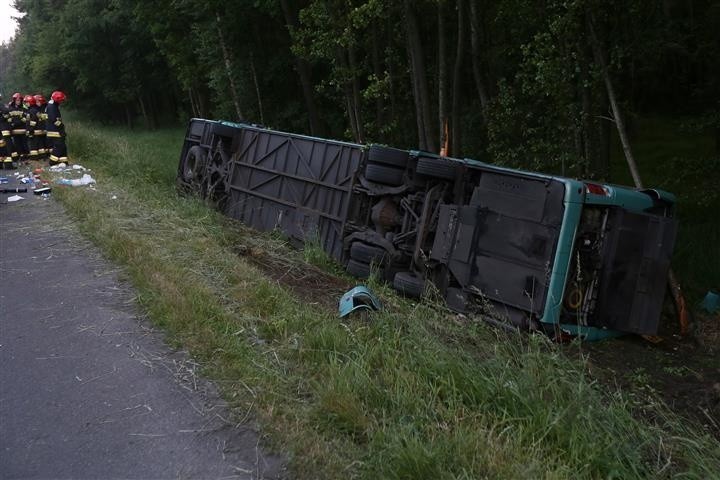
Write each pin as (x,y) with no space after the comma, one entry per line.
(32,129)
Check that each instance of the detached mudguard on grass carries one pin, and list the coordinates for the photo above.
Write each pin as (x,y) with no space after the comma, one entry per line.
(536,251)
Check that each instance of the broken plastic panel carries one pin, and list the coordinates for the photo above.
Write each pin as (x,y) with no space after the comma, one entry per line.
(358,298)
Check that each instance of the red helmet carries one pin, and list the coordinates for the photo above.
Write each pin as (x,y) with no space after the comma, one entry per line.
(58,96)
(16,95)
(39,99)
(29,99)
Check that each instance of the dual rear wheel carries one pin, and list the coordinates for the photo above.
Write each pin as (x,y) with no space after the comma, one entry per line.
(386,165)
(363,257)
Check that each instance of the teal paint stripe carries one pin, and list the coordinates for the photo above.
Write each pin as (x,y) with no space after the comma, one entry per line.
(574,194)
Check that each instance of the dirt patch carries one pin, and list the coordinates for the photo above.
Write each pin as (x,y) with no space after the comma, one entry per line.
(706,330)
(308,282)
(683,372)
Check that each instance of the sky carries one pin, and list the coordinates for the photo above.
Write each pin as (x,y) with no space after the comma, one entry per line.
(7,24)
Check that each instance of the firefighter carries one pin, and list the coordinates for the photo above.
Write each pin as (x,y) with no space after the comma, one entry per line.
(31,114)
(40,139)
(5,138)
(18,128)
(55,129)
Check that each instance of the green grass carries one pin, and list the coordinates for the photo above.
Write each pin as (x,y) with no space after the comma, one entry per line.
(408,392)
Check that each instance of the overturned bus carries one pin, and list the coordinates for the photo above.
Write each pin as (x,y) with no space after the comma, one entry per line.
(531,250)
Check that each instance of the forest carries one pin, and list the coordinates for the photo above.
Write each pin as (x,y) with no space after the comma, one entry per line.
(412,390)
(515,82)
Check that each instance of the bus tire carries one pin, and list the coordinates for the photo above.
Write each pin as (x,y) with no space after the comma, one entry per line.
(385,175)
(358,269)
(388,156)
(362,252)
(409,284)
(436,168)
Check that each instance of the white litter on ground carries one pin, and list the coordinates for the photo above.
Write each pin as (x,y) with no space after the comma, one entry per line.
(76,182)
(15,198)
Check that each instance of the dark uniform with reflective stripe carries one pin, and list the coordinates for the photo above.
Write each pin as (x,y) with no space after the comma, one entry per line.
(55,132)
(32,117)
(40,139)
(5,138)
(18,131)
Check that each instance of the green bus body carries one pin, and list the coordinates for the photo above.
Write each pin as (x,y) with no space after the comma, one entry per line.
(521,249)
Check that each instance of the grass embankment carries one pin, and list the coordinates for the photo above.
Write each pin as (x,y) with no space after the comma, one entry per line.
(408,392)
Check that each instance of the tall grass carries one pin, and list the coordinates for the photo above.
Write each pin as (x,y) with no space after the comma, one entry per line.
(408,392)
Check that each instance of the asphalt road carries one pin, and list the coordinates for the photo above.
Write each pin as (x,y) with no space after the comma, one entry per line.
(87,388)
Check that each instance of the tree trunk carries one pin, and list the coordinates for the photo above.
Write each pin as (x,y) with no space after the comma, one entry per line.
(619,123)
(622,131)
(602,129)
(442,78)
(455,129)
(304,72)
(128,116)
(586,152)
(379,75)
(417,63)
(347,89)
(603,149)
(193,108)
(577,140)
(144,112)
(350,114)
(197,96)
(391,81)
(355,88)
(673,284)
(154,120)
(476,61)
(422,139)
(257,88)
(228,67)
(202,101)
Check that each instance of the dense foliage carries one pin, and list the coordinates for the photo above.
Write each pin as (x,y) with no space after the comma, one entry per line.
(515,81)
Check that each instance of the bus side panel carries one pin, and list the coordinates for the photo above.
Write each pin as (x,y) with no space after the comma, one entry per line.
(299,185)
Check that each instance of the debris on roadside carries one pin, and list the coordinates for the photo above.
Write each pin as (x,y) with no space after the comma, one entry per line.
(358,298)
(86,179)
(14,190)
(711,302)
(25,181)
(59,167)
